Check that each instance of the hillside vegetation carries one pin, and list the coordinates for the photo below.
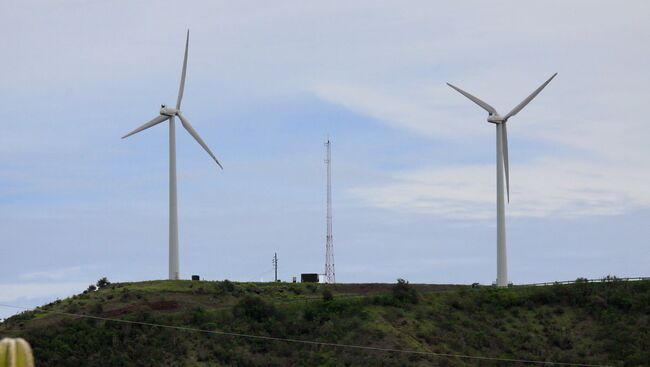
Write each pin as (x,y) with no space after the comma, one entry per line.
(597,323)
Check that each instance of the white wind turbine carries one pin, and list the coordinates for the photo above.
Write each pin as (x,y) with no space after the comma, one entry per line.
(502,162)
(168,113)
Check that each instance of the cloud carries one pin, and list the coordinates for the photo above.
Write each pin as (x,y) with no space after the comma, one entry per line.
(419,111)
(547,187)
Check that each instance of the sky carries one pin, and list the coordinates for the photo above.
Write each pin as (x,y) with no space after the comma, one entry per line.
(413,162)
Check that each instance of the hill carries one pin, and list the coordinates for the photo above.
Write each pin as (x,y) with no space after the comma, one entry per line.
(595,323)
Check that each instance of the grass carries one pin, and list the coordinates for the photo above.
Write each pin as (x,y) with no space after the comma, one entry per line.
(598,323)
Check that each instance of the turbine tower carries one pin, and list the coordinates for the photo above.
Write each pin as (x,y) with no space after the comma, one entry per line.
(168,113)
(502,167)
(330,275)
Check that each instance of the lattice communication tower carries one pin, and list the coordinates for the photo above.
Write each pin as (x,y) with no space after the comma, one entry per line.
(330,275)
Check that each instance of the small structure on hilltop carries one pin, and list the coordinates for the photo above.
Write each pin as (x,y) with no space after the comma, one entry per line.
(309,278)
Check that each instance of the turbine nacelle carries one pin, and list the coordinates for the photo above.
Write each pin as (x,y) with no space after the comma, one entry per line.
(495,118)
(168,111)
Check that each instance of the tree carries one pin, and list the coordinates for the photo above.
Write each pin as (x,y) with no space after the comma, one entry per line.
(103,283)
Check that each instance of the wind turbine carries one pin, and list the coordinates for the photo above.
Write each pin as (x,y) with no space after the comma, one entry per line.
(502,165)
(168,113)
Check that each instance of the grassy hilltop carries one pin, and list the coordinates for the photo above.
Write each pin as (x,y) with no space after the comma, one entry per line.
(597,323)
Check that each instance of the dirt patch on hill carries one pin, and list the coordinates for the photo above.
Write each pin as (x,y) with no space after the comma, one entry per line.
(119,311)
(163,305)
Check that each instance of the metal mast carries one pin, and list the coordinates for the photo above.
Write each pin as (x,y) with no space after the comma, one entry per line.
(330,276)
(275,266)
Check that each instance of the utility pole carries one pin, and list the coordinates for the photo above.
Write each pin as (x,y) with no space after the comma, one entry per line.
(275,266)
(330,276)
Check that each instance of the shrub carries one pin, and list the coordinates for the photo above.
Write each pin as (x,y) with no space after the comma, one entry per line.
(226,286)
(73,307)
(97,309)
(126,295)
(199,316)
(312,287)
(253,308)
(327,295)
(404,293)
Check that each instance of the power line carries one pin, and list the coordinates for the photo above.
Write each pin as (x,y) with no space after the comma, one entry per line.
(275,266)
(311,342)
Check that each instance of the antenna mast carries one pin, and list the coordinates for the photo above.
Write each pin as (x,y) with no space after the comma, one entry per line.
(330,276)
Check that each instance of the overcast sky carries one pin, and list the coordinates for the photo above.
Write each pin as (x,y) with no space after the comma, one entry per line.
(413,161)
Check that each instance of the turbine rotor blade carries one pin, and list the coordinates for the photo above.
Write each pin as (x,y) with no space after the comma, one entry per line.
(155,121)
(476,100)
(504,146)
(526,101)
(181,88)
(195,135)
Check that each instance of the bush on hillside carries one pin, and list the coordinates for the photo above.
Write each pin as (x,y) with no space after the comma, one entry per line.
(327,295)
(253,308)
(225,287)
(97,309)
(404,293)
